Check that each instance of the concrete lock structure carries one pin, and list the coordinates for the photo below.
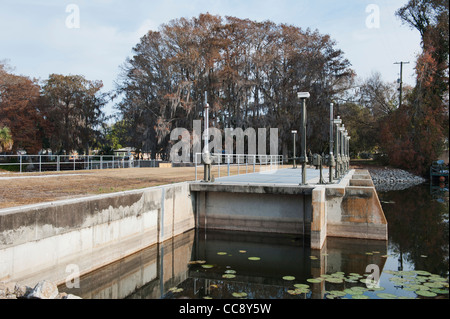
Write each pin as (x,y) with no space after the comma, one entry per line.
(39,241)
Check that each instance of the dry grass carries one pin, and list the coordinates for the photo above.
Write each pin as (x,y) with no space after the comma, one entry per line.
(62,185)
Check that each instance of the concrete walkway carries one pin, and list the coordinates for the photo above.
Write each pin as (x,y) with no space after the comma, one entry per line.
(283,176)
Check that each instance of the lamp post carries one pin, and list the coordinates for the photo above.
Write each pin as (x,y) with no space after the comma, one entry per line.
(295,154)
(341,151)
(206,155)
(337,122)
(331,162)
(303,96)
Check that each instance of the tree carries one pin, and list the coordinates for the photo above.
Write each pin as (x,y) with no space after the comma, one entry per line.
(74,105)
(21,111)
(6,140)
(414,137)
(251,72)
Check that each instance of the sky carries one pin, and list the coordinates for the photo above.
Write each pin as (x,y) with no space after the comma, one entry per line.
(93,38)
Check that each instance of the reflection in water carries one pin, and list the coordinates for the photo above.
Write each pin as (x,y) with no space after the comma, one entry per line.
(418,229)
(197,261)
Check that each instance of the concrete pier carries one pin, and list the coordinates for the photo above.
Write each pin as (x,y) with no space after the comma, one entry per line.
(276,203)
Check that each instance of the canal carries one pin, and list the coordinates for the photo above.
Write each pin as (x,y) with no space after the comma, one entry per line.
(413,263)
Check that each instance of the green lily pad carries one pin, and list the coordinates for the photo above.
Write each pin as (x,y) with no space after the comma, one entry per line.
(434,284)
(301,286)
(239,294)
(228,276)
(334,280)
(242,251)
(422,272)
(426,293)
(254,258)
(353,292)
(313,257)
(230,271)
(384,295)
(314,280)
(359,289)
(221,253)
(289,278)
(207,266)
(338,293)
(440,291)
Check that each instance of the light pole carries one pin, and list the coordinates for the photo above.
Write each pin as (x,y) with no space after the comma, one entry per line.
(295,153)
(337,122)
(303,96)
(331,161)
(206,156)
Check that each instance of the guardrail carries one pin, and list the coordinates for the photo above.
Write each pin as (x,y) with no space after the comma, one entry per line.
(40,163)
(249,163)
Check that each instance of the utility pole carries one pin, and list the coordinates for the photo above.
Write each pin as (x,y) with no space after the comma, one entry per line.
(401,80)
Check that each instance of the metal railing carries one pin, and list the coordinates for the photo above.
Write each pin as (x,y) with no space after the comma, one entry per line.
(42,163)
(243,163)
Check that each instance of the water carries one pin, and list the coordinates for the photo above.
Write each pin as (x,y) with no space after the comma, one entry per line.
(216,264)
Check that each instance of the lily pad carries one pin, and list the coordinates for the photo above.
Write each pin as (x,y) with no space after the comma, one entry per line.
(353,292)
(422,272)
(440,291)
(301,286)
(254,258)
(230,271)
(434,284)
(314,280)
(289,278)
(426,293)
(313,257)
(221,253)
(207,266)
(338,293)
(242,251)
(384,295)
(228,276)
(334,280)
(239,294)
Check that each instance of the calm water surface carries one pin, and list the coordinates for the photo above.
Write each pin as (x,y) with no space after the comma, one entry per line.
(414,263)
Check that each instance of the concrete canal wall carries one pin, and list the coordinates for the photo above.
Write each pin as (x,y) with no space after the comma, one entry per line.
(349,209)
(50,241)
(42,240)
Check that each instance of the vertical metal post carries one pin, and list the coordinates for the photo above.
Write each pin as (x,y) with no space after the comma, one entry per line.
(337,122)
(40,163)
(20,162)
(206,155)
(304,157)
(295,153)
(331,158)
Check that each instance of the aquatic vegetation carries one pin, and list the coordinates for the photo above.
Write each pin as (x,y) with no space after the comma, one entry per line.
(207,266)
(289,278)
(254,258)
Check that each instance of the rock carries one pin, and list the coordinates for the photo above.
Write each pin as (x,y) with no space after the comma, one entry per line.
(44,290)
(7,288)
(22,291)
(386,179)
(70,296)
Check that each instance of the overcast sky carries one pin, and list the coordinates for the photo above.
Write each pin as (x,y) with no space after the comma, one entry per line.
(40,37)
